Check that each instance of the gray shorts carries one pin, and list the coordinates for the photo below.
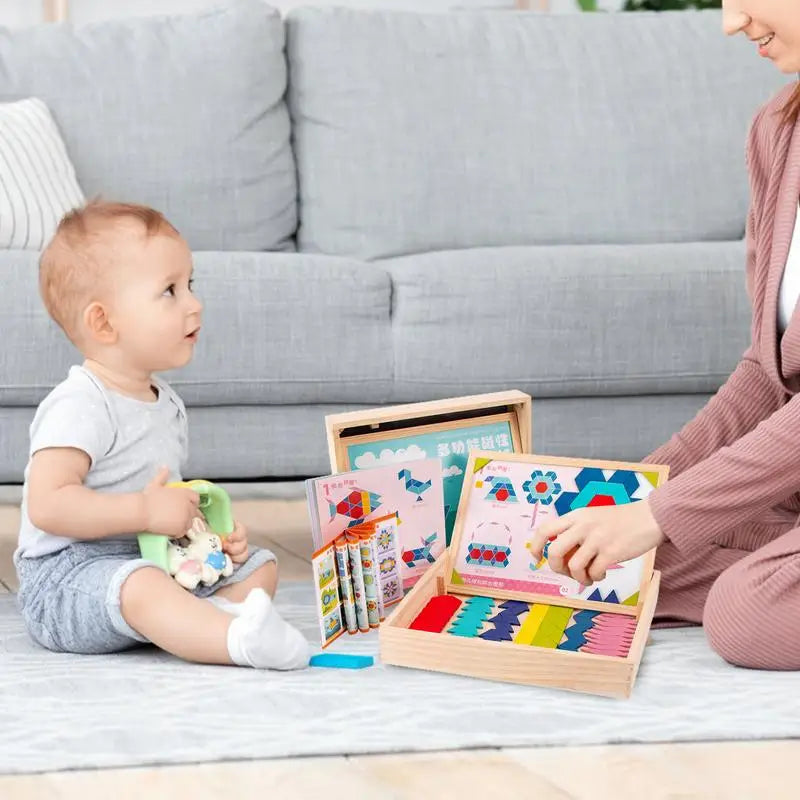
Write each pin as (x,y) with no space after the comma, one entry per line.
(70,600)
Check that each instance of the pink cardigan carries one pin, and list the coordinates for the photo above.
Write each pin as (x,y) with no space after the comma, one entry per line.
(740,456)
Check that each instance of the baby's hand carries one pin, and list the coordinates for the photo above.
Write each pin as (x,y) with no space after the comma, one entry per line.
(169,510)
(235,543)
(590,540)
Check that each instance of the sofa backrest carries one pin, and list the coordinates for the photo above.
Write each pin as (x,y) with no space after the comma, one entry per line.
(418,132)
(185,113)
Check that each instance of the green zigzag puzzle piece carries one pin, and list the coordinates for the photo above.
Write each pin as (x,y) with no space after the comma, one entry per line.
(474,613)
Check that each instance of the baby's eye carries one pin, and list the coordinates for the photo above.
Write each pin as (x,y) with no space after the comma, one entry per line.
(191,284)
(170,290)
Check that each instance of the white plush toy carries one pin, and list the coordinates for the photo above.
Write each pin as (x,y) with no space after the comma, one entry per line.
(198,557)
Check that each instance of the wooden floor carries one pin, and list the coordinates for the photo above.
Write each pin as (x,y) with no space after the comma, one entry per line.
(712,771)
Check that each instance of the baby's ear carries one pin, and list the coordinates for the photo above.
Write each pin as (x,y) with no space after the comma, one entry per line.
(98,325)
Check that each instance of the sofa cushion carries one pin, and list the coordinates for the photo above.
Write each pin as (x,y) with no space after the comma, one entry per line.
(277,328)
(37,178)
(184,113)
(418,132)
(569,320)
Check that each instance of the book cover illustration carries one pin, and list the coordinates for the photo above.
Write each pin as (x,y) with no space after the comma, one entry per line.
(410,491)
(357,577)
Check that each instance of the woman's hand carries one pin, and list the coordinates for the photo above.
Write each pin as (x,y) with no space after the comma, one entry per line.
(235,543)
(590,540)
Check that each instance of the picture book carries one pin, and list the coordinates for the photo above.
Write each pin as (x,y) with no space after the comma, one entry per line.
(357,577)
(411,491)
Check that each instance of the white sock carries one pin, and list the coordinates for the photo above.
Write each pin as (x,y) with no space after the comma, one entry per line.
(228,606)
(259,637)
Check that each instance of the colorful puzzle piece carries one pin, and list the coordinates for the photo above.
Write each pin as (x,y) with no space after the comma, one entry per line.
(552,627)
(437,613)
(611,597)
(473,614)
(506,621)
(595,490)
(574,633)
(341,661)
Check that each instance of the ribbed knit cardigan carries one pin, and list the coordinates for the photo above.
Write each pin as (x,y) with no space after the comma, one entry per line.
(740,456)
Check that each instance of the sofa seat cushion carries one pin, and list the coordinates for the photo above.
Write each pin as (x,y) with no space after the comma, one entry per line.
(185,113)
(569,320)
(278,328)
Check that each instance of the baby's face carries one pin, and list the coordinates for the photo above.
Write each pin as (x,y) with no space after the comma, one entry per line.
(155,313)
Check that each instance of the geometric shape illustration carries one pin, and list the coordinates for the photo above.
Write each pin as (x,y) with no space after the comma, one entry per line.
(488,555)
(411,557)
(595,490)
(542,487)
(357,504)
(484,553)
(413,485)
(502,490)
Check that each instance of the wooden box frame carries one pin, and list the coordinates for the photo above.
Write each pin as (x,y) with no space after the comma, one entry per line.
(608,676)
(395,422)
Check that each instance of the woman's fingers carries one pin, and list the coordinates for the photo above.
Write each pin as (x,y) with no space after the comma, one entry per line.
(578,563)
(561,550)
(547,530)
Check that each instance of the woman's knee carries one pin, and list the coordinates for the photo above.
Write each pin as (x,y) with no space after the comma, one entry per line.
(742,629)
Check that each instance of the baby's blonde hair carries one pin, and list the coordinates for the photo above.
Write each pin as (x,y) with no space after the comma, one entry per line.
(74,264)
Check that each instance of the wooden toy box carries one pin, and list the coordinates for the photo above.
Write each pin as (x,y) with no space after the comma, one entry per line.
(416,421)
(551,664)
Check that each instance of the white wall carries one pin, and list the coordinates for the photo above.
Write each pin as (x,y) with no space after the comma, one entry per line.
(16,13)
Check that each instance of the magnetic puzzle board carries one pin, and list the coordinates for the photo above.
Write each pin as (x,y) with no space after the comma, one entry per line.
(446,429)
(488,609)
(506,500)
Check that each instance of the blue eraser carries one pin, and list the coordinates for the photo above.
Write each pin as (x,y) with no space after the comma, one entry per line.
(340,661)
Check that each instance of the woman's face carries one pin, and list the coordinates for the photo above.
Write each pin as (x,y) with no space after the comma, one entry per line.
(772,25)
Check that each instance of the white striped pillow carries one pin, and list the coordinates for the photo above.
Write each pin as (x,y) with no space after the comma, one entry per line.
(37,180)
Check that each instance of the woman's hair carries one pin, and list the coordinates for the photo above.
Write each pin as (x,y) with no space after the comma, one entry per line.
(791,110)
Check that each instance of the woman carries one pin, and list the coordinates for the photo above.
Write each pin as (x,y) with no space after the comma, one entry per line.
(726,524)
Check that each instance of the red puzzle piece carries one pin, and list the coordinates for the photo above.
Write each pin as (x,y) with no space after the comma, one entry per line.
(436,614)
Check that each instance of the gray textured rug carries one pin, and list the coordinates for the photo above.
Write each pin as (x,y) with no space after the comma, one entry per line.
(145,707)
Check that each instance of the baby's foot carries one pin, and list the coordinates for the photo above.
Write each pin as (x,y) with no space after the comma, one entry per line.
(259,637)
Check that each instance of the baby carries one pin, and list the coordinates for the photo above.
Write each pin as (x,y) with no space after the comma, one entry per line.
(118,280)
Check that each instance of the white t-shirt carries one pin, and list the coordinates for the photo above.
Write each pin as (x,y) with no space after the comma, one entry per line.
(790,282)
(127,440)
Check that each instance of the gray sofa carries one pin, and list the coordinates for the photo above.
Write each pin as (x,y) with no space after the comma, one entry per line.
(394,207)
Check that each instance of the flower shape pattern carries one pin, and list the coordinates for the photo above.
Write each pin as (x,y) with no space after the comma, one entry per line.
(542,487)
